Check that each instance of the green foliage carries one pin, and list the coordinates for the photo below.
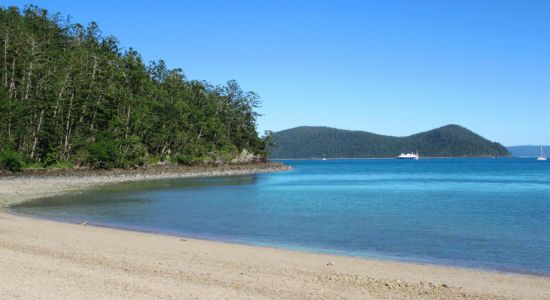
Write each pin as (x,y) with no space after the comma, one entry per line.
(152,159)
(62,165)
(183,159)
(69,94)
(228,152)
(32,165)
(195,154)
(269,143)
(447,141)
(51,158)
(10,160)
(103,154)
(130,152)
(109,154)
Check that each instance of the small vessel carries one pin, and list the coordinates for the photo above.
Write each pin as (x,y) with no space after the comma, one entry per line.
(324,157)
(542,155)
(411,155)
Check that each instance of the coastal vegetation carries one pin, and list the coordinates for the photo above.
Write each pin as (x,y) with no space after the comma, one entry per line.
(72,96)
(447,141)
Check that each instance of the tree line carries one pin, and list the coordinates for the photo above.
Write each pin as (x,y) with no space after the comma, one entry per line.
(72,96)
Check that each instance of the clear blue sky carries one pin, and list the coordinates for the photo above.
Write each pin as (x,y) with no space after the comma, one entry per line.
(390,67)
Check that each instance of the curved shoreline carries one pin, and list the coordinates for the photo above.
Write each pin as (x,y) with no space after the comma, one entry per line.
(376,257)
(150,265)
(20,188)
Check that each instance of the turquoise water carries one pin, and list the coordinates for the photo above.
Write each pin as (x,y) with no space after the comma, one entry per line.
(481,213)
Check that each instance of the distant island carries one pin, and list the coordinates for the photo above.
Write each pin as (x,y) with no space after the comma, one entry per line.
(316,142)
(527,150)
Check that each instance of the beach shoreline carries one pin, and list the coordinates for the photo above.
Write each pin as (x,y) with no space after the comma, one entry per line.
(47,259)
(45,183)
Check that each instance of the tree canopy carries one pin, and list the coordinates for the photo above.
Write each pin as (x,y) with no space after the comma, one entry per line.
(70,95)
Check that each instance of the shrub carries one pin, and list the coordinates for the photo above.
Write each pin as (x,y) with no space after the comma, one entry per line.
(228,152)
(152,159)
(62,165)
(193,154)
(102,154)
(184,159)
(51,158)
(134,154)
(109,154)
(32,165)
(11,160)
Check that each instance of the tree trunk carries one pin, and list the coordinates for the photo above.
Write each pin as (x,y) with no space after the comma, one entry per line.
(36,132)
(200,134)
(60,94)
(29,74)
(9,118)
(164,149)
(6,43)
(127,123)
(90,91)
(12,81)
(68,129)
(95,112)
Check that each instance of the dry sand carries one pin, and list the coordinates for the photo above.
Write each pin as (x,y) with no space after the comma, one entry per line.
(48,260)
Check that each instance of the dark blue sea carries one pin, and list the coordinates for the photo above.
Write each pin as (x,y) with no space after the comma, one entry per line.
(478,213)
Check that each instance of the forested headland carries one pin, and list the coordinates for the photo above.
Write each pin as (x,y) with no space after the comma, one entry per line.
(71,96)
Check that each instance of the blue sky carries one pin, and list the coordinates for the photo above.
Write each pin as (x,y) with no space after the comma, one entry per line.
(390,67)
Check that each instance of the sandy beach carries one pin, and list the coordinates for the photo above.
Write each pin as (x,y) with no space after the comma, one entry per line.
(42,259)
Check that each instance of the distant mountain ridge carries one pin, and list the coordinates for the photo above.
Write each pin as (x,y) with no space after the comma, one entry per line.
(527,150)
(447,141)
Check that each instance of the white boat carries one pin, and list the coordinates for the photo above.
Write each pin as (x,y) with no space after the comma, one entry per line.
(324,157)
(411,155)
(542,155)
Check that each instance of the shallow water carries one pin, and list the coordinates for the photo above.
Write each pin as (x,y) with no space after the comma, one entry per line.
(481,213)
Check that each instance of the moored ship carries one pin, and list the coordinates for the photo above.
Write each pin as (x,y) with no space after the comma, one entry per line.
(542,155)
(411,155)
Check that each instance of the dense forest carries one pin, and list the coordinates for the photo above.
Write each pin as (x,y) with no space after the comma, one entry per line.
(71,96)
(447,141)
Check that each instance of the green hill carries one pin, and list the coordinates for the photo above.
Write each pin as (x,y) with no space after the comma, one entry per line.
(447,141)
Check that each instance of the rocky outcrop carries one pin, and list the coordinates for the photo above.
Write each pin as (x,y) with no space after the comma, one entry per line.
(247,158)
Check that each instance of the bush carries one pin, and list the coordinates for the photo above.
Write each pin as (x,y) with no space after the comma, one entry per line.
(193,154)
(32,165)
(152,159)
(184,159)
(51,159)
(134,153)
(62,165)
(10,160)
(102,154)
(109,154)
(228,152)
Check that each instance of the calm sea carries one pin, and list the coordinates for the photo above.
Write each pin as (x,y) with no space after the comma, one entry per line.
(480,213)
